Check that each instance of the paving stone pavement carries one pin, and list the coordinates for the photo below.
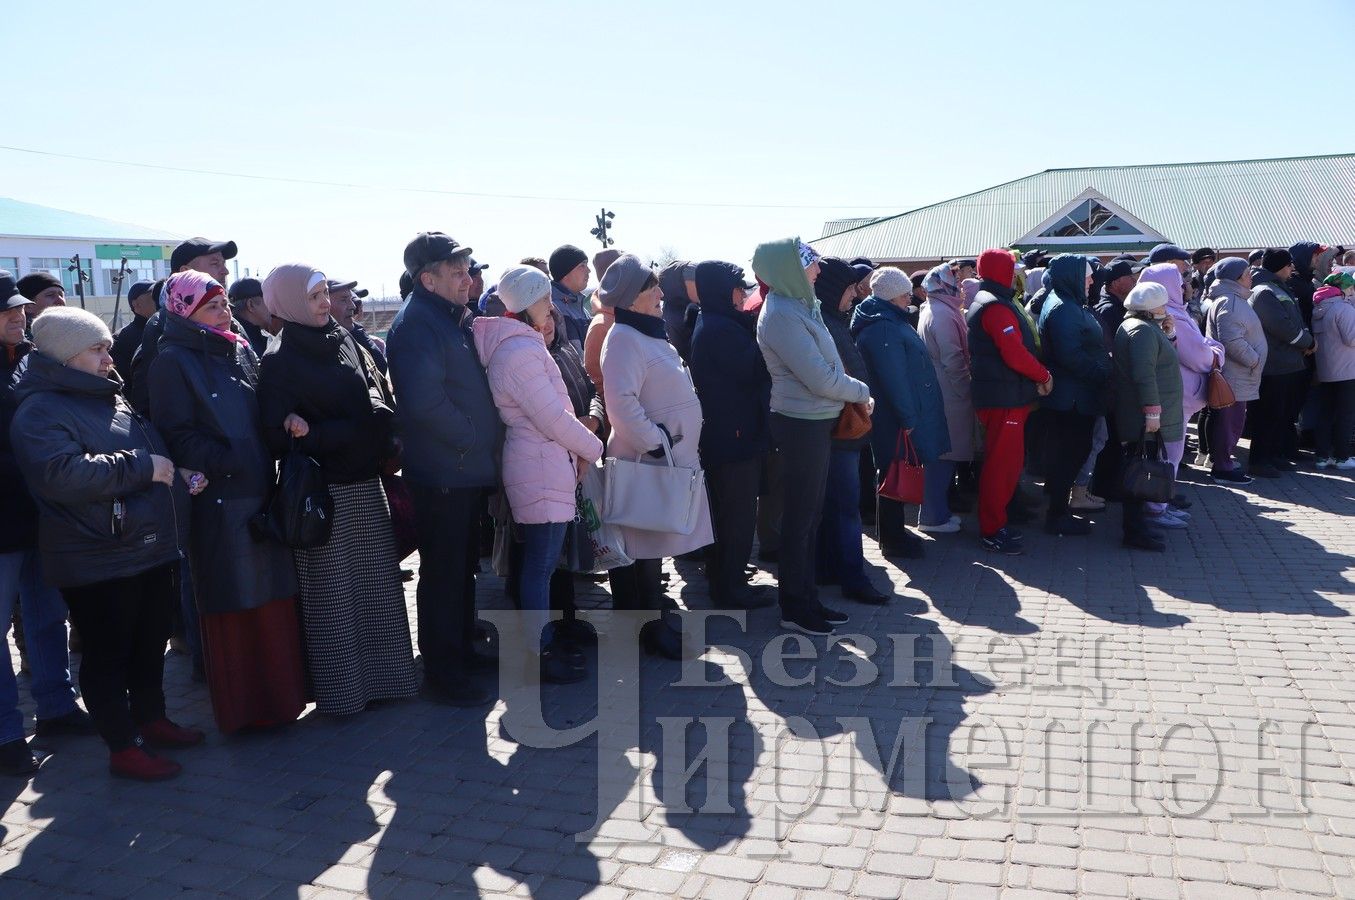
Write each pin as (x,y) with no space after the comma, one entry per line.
(1078,721)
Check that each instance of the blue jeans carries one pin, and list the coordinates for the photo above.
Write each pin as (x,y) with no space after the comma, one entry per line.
(1100,434)
(44,615)
(839,557)
(937,477)
(541,546)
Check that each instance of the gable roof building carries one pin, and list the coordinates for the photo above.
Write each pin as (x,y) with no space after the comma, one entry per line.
(1229,206)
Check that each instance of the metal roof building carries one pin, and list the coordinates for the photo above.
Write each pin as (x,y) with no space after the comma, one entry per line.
(1230,206)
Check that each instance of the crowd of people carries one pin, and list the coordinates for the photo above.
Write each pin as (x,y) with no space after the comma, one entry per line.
(136,466)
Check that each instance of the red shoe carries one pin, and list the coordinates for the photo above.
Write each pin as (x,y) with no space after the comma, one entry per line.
(164,733)
(138,765)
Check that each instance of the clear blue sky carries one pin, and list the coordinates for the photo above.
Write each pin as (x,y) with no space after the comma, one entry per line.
(838,109)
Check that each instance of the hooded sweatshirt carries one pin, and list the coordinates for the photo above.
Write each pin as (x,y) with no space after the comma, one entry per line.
(1196,353)
(808,378)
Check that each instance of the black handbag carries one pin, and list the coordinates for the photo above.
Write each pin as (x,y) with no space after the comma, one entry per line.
(577,555)
(300,512)
(1148,476)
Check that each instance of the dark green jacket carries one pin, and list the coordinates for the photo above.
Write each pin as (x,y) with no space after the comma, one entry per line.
(1147,374)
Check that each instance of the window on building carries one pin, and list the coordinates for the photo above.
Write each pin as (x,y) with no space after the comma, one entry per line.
(10,264)
(137,270)
(1090,219)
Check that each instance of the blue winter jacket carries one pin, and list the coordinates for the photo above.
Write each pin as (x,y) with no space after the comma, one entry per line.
(1073,342)
(903,379)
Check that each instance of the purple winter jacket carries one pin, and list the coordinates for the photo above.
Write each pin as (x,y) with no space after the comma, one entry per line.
(1198,354)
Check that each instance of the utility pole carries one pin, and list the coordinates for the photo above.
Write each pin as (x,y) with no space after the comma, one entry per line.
(80,277)
(118,280)
(604,220)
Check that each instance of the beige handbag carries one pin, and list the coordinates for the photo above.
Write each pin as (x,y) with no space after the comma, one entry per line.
(652,496)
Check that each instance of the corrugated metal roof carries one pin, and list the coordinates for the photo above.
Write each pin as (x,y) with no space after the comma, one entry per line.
(1225,205)
(836,226)
(19,219)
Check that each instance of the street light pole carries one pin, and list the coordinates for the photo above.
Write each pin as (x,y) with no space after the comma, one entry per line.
(604,220)
(80,278)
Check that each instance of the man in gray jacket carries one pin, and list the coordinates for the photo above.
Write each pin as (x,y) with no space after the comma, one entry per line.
(1285,378)
(452,434)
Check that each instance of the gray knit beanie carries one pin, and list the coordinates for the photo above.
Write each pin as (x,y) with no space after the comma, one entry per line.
(623,281)
(889,283)
(62,332)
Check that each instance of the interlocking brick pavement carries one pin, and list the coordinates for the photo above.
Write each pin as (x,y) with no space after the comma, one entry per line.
(1107,724)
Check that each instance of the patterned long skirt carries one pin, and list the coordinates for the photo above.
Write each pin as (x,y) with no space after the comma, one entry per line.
(353,606)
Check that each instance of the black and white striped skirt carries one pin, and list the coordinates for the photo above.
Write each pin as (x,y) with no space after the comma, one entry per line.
(358,646)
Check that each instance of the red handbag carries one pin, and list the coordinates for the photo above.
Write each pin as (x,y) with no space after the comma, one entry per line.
(903,479)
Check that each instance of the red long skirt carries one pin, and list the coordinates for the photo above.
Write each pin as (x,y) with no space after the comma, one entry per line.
(254,666)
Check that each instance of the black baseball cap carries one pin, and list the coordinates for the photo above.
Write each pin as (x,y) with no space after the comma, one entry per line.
(361,293)
(244,289)
(1117,269)
(9,291)
(136,290)
(1034,259)
(192,248)
(431,247)
(477,267)
(1166,253)
(340,285)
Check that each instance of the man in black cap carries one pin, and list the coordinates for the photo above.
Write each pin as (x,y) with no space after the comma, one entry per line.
(196,254)
(375,346)
(44,289)
(343,306)
(1117,280)
(452,433)
(43,612)
(477,285)
(247,306)
(1170,253)
(141,300)
(569,277)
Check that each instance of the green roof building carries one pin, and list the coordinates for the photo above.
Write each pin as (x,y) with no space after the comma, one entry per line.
(1233,207)
(41,239)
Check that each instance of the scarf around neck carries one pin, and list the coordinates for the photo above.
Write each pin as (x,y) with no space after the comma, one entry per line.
(649,326)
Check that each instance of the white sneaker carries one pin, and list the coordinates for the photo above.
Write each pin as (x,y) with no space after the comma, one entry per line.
(1166,520)
(1323,462)
(1347,463)
(951,527)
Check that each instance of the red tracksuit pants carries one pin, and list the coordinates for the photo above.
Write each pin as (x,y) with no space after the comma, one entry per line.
(1004,456)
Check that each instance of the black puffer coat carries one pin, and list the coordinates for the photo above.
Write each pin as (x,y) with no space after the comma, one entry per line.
(202,395)
(319,374)
(82,450)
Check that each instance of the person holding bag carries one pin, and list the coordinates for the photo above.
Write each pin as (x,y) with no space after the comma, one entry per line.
(910,413)
(114,522)
(840,560)
(546,449)
(203,399)
(1148,394)
(320,392)
(651,406)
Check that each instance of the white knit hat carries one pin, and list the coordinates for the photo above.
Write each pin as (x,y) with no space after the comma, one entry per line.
(889,283)
(1146,297)
(521,286)
(62,332)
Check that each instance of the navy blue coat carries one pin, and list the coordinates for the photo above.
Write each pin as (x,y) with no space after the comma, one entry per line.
(903,380)
(448,421)
(732,384)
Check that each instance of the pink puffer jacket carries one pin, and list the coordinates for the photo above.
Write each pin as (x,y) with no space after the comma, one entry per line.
(543,437)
